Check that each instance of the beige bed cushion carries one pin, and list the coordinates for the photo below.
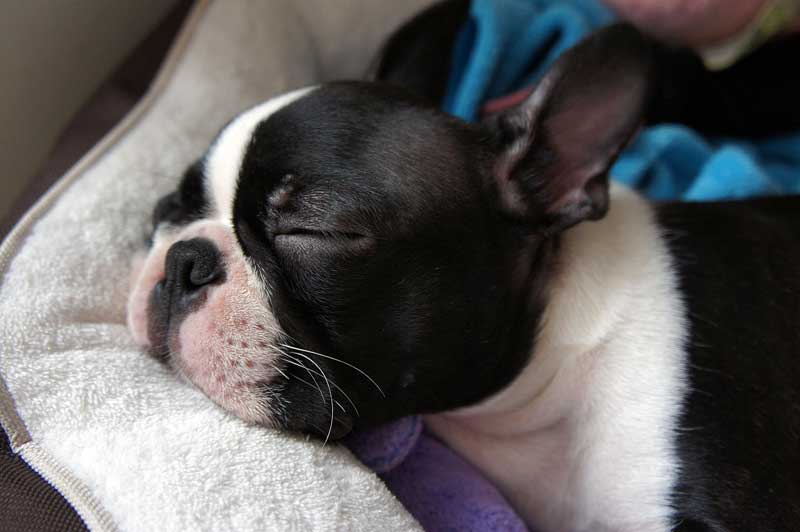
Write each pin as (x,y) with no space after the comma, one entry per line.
(130,446)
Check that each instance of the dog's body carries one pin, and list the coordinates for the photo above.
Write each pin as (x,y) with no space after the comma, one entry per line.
(566,441)
(345,255)
(661,379)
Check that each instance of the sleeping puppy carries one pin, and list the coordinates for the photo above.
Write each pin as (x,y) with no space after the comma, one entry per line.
(347,254)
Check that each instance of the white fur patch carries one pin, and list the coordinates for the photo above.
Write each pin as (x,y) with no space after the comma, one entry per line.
(583,439)
(225,157)
(225,347)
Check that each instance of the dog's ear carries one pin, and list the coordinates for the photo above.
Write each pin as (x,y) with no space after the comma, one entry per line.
(554,150)
(418,55)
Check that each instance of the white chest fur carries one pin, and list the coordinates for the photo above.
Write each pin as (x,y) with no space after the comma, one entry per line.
(583,439)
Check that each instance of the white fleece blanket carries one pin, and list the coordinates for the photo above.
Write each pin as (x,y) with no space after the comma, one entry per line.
(130,446)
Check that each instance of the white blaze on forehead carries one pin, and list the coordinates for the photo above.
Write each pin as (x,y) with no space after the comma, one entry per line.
(226,155)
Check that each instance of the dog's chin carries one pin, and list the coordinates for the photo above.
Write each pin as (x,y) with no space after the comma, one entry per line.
(226,345)
(255,388)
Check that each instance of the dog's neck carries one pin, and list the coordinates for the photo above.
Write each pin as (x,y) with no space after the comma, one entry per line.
(599,267)
(614,292)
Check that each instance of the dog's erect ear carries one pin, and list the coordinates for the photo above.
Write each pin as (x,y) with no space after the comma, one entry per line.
(418,56)
(554,149)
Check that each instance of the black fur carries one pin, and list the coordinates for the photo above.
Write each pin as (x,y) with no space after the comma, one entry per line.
(739,437)
(418,56)
(418,290)
(188,203)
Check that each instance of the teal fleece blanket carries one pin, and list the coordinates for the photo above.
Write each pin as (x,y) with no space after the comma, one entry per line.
(508,44)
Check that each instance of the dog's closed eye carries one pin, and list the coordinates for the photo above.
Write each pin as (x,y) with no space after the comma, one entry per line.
(318,233)
(296,242)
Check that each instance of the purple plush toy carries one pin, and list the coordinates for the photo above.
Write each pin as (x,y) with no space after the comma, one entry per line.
(438,487)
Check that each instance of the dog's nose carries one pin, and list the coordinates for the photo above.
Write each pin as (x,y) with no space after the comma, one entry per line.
(192,265)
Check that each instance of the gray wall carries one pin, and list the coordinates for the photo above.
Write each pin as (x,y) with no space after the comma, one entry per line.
(53,55)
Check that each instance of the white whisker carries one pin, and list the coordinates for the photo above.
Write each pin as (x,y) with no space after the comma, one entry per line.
(279,370)
(295,362)
(336,360)
(340,406)
(330,394)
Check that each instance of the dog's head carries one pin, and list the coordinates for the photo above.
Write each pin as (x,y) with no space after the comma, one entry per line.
(348,254)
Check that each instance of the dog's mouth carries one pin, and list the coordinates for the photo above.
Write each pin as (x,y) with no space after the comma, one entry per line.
(215,330)
(158,325)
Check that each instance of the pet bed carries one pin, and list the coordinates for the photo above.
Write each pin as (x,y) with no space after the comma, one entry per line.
(115,433)
(127,445)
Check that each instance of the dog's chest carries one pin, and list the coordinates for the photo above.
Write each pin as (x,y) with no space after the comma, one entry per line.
(607,466)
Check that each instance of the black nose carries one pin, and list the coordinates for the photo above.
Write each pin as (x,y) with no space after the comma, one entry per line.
(192,265)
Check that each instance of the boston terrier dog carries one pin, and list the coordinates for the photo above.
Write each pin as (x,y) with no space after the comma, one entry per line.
(347,254)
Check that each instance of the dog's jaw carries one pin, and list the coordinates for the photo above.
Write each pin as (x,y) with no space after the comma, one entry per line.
(226,347)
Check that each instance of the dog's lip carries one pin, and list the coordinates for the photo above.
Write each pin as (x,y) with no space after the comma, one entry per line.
(184,301)
(161,297)
(158,323)
(158,298)
(159,288)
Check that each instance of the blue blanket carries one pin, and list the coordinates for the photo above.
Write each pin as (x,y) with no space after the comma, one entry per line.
(508,44)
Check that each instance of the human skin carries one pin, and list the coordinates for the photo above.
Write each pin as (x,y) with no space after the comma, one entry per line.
(696,23)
